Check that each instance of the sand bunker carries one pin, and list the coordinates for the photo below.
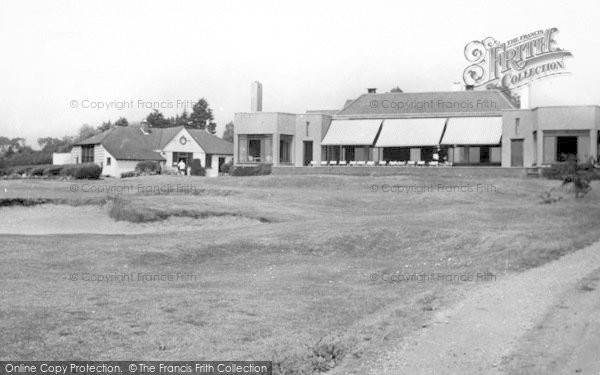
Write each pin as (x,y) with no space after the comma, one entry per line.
(64,219)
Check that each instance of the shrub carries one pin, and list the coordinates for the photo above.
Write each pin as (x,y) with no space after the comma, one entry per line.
(68,170)
(226,167)
(196,168)
(576,176)
(89,171)
(150,167)
(129,174)
(53,170)
(38,170)
(560,171)
(258,170)
(21,170)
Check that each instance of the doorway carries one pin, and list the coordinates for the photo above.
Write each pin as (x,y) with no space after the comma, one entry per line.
(516,153)
(308,152)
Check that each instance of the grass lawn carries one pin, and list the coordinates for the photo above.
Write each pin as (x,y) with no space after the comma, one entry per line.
(301,285)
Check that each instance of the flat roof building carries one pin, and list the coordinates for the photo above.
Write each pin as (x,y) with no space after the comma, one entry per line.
(457,127)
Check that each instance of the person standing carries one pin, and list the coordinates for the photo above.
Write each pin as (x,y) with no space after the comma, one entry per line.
(181,166)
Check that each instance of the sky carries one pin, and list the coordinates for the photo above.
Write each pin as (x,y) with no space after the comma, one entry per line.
(62,60)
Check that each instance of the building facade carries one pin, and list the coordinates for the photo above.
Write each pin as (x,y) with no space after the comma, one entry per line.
(120,149)
(478,128)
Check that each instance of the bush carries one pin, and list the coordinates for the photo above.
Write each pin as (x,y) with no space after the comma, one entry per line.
(560,171)
(226,167)
(196,168)
(53,170)
(150,167)
(89,171)
(38,170)
(21,170)
(129,174)
(576,176)
(258,170)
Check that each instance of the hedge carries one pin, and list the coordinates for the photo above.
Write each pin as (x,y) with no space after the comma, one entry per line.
(258,170)
(77,171)
(148,167)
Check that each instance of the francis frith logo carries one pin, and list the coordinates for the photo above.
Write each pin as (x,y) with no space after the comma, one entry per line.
(514,63)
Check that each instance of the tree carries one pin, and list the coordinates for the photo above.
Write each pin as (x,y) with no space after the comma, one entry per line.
(50,144)
(396,89)
(202,116)
(211,127)
(105,126)
(228,133)
(122,121)
(157,120)
(85,131)
(182,120)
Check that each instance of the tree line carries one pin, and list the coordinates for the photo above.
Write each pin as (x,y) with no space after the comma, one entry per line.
(14,151)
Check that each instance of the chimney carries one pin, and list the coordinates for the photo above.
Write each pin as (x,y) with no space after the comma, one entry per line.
(144,127)
(372,91)
(256,97)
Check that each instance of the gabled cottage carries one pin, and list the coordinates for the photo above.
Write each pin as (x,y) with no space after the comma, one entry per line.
(119,149)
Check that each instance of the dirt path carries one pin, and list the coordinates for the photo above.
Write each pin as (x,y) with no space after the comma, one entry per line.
(496,329)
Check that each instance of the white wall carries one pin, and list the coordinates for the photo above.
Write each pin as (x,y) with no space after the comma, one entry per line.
(61,158)
(76,155)
(175,146)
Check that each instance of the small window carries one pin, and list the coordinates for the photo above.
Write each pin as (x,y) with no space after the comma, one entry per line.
(107,161)
(208,161)
(517,125)
(307,128)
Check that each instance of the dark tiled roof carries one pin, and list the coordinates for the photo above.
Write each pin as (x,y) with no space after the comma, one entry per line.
(390,105)
(130,143)
(93,140)
(211,144)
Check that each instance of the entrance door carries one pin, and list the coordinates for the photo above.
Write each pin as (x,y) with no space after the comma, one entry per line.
(308,152)
(516,153)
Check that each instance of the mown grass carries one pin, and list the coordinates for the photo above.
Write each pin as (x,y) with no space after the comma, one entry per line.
(297,290)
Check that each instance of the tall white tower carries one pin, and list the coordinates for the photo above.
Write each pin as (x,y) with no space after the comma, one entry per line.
(256,97)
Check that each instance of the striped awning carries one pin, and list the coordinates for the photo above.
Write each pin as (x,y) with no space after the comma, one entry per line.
(473,131)
(351,132)
(411,132)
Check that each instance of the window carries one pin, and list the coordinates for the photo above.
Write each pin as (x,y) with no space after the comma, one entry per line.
(255,148)
(87,153)
(396,153)
(566,148)
(107,161)
(517,125)
(307,128)
(208,161)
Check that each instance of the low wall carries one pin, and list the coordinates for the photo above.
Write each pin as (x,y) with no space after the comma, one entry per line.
(405,170)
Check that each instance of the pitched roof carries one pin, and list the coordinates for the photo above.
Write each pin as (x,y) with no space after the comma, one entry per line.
(130,143)
(399,105)
(211,144)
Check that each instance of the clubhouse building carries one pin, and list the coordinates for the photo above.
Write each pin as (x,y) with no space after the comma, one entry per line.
(466,127)
(119,149)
